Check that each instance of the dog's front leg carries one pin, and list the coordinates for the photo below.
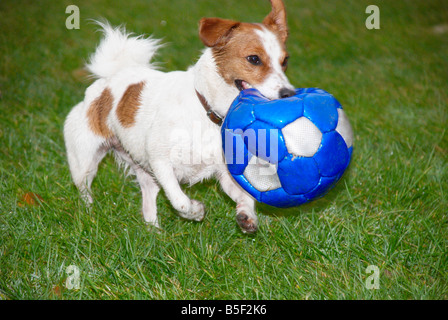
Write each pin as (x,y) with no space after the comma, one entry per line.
(245,204)
(187,208)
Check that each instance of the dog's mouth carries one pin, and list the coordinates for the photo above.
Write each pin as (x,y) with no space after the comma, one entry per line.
(242,85)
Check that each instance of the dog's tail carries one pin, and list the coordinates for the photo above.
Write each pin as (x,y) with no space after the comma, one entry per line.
(118,50)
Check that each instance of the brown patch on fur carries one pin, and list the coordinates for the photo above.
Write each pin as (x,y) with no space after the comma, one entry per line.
(276,20)
(215,31)
(98,112)
(128,106)
(232,42)
(231,57)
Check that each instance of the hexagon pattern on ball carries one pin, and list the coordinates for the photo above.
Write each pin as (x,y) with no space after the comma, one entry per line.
(302,137)
(290,151)
(262,175)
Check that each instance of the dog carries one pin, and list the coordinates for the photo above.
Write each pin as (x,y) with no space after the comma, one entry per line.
(165,127)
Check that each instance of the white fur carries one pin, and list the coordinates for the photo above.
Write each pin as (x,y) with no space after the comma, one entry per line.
(172,140)
(277,78)
(118,50)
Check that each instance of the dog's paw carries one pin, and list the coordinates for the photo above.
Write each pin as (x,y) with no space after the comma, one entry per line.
(153,228)
(87,198)
(152,222)
(246,223)
(197,210)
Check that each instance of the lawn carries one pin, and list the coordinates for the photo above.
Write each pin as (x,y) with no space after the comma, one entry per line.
(389,210)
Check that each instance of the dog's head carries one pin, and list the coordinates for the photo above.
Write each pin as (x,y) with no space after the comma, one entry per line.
(251,54)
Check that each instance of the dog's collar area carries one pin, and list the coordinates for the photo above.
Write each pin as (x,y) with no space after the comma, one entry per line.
(213,116)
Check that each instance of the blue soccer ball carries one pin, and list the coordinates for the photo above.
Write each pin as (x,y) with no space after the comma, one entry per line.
(290,151)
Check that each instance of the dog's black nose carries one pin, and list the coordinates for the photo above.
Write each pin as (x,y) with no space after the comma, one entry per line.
(286,93)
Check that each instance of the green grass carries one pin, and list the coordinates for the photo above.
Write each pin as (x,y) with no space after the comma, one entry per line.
(389,210)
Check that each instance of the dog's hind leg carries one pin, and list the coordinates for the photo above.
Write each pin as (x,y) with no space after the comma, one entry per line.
(150,189)
(85,150)
(148,186)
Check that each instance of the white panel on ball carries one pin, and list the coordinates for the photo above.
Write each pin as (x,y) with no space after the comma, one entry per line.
(262,175)
(302,137)
(344,128)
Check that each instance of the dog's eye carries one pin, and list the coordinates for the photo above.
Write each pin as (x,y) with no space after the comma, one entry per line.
(285,62)
(254,59)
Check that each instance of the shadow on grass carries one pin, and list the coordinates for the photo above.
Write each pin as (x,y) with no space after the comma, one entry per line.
(316,205)
(319,204)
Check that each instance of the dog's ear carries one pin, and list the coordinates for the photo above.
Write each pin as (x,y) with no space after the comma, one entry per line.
(276,19)
(215,31)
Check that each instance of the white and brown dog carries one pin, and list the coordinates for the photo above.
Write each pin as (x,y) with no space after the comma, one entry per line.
(165,127)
